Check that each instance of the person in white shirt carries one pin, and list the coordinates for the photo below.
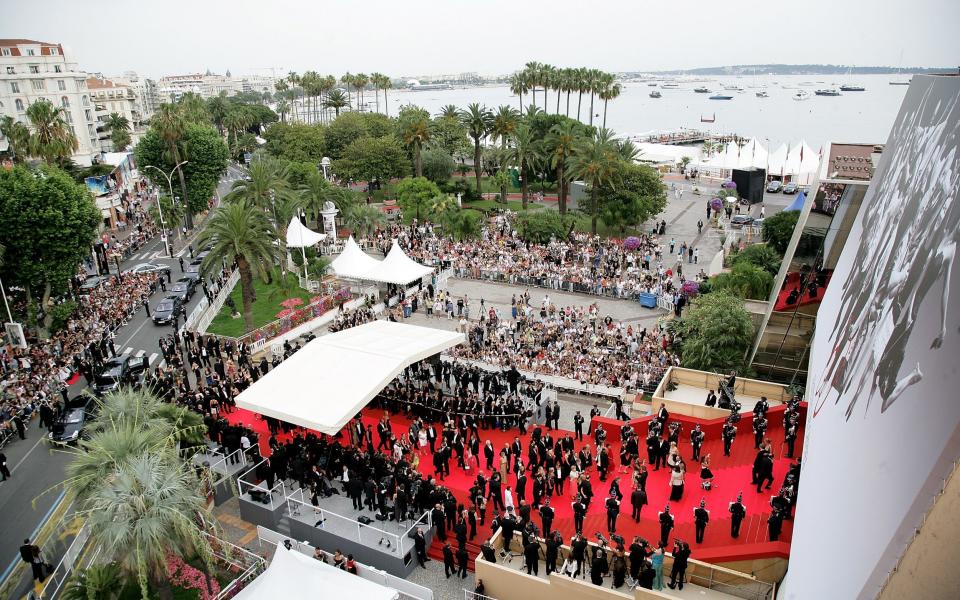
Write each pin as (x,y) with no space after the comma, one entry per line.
(508,499)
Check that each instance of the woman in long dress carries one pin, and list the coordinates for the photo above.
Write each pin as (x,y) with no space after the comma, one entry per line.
(706,475)
(676,483)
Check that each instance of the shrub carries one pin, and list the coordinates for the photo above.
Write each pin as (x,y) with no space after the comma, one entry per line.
(60,314)
(542,225)
(778,229)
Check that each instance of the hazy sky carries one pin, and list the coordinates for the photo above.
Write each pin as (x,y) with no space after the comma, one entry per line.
(414,37)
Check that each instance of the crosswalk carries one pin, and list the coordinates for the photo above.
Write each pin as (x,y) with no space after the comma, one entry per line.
(139,354)
(148,256)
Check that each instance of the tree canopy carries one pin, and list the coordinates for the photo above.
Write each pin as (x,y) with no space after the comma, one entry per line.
(778,229)
(373,159)
(542,225)
(296,142)
(715,334)
(636,193)
(415,195)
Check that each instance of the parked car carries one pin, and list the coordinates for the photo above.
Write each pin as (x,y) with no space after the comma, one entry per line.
(184,289)
(149,268)
(76,414)
(91,283)
(774,186)
(120,370)
(790,188)
(740,220)
(167,310)
(192,271)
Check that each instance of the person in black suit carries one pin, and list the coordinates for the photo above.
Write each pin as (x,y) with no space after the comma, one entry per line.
(613,510)
(555,415)
(578,426)
(488,454)
(764,471)
(737,513)
(440,522)
(666,524)
(594,412)
(462,558)
(420,545)
(546,516)
(521,488)
(599,567)
(700,518)
(728,435)
(449,566)
(579,512)
(531,554)
(681,554)
(696,441)
(775,525)
(432,438)
(637,500)
(663,415)
(4,470)
(30,553)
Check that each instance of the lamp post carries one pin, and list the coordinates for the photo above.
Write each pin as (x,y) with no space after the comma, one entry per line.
(169,178)
(325,164)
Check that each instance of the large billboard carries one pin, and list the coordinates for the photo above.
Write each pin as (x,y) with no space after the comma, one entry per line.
(884,370)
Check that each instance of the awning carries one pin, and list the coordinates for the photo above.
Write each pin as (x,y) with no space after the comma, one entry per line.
(298,236)
(353,263)
(326,383)
(295,576)
(398,268)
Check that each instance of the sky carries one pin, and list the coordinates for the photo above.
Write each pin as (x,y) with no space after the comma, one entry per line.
(424,37)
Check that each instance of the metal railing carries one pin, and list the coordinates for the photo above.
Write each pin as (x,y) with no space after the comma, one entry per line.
(468,595)
(64,568)
(238,557)
(204,320)
(245,487)
(343,526)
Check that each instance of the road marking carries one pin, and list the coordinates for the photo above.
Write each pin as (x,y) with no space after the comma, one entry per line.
(152,358)
(163,363)
(136,331)
(139,353)
(25,456)
(126,350)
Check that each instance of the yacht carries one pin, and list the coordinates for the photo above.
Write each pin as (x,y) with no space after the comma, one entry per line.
(701,90)
(801,95)
(670,86)
(656,94)
(827,92)
(733,88)
(721,97)
(900,82)
(652,84)
(762,94)
(852,88)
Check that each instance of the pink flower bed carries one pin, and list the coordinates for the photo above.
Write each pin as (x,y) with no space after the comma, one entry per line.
(285,313)
(291,302)
(191,578)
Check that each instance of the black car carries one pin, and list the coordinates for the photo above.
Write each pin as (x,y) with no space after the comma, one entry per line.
(740,220)
(790,188)
(120,370)
(167,310)
(773,187)
(184,289)
(76,414)
(91,283)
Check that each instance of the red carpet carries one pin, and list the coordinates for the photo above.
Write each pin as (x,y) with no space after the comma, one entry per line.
(731,476)
(792,283)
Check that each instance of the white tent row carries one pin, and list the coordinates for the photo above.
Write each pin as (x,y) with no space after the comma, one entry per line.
(299,236)
(798,161)
(397,268)
(666,153)
(294,576)
(325,383)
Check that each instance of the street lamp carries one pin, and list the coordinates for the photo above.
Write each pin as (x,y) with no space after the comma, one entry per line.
(166,238)
(325,164)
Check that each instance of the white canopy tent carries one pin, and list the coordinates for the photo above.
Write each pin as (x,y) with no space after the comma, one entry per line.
(325,383)
(294,576)
(398,268)
(299,236)
(353,263)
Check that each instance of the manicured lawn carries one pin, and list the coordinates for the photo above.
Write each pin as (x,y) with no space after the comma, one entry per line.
(490,204)
(265,308)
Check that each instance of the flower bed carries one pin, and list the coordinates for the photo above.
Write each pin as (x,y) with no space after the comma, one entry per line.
(292,318)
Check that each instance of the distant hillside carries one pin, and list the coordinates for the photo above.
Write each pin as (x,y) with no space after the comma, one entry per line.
(802,70)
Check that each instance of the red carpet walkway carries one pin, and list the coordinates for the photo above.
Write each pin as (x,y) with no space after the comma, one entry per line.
(731,476)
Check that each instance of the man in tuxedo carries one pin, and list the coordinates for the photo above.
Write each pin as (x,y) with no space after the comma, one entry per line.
(666,524)
(638,498)
(432,438)
(420,545)
(663,415)
(555,415)
(700,519)
(578,426)
(516,450)
(729,434)
(737,513)
(594,412)
(696,441)
(546,516)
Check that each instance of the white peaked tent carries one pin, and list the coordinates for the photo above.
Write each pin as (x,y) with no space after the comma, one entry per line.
(353,263)
(398,268)
(325,383)
(295,576)
(299,236)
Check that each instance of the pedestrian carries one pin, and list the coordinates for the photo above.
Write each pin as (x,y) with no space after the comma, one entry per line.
(30,553)
(3,467)
(681,553)
(449,566)
(700,225)
(146,304)
(181,263)
(701,516)
(420,545)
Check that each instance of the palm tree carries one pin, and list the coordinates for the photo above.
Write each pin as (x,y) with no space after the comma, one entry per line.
(170,124)
(595,161)
(51,138)
(609,93)
(294,80)
(477,120)
(449,111)
(266,183)
(347,80)
(363,219)
(629,153)
(315,192)
(336,100)
(119,128)
(96,582)
(583,85)
(360,82)
(240,232)
(385,84)
(375,80)
(518,86)
(17,135)
(524,153)
(504,125)
(559,147)
(531,73)
(218,109)
(415,132)
(194,109)
(283,107)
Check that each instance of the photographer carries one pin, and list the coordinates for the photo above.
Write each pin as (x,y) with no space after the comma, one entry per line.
(681,553)
(599,567)
(554,542)
(531,554)
(638,554)
(578,552)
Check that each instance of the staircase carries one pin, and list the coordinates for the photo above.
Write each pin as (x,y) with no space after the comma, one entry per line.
(435,550)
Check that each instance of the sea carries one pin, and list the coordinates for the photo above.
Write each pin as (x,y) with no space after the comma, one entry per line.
(852,117)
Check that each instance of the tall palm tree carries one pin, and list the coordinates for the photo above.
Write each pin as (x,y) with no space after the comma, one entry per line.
(310,81)
(415,132)
(283,107)
(559,146)
(477,120)
(518,86)
(449,111)
(119,128)
(171,126)
(268,183)
(360,82)
(375,79)
(17,135)
(218,108)
(363,219)
(609,93)
(385,84)
(328,84)
(194,109)
(524,153)
(347,80)
(502,128)
(583,86)
(336,99)
(595,162)
(294,81)
(531,72)
(548,75)
(627,151)
(51,138)
(240,232)
(314,193)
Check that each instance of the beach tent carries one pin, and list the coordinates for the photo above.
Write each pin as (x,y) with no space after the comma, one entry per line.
(295,576)
(398,268)
(299,236)
(353,263)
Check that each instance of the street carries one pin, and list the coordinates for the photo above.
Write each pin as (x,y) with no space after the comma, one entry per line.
(35,465)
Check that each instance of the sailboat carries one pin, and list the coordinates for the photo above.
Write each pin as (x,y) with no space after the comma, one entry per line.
(762,94)
(896,82)
(847,87)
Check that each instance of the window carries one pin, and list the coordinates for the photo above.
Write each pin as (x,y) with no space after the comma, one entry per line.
(5,51)
(19,104)
(30,52)
(37,84)
(14,87)
(10,71)
(54,51)
(61,85)
(86,101)
(34,69)
(65,102)
(57,69)
(86,113)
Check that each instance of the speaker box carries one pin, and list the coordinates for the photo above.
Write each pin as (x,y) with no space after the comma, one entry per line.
(750,184)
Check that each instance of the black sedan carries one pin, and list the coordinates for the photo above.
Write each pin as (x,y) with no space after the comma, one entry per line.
(774,186)
(790,188)
(117,371)
(76,415)
(168,309)
(184,289)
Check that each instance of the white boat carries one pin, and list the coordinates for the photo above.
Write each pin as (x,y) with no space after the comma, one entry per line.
(656,94)
(762,94)
(670,86)
(733,88)
(801,95)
